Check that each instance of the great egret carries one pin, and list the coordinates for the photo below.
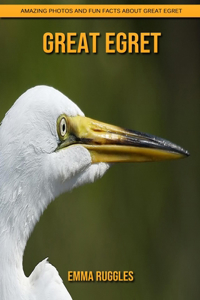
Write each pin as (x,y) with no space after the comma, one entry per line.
(48,147)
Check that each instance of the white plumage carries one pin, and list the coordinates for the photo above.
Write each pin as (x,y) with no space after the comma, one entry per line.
(32,174)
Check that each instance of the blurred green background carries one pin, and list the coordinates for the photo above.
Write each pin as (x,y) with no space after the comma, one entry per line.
(141,217)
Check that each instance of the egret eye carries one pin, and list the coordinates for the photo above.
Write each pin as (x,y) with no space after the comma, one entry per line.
(63,127)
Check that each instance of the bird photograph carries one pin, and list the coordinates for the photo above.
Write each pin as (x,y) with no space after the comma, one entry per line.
(99,164)
(49,147)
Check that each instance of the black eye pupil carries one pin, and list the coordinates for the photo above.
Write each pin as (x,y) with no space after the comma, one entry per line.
(63,127)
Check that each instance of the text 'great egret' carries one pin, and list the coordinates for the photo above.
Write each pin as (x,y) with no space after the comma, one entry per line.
(48,147)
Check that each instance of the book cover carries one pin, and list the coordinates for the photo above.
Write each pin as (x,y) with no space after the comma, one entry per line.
(133,234)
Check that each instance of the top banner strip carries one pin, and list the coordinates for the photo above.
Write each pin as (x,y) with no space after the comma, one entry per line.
(99,11)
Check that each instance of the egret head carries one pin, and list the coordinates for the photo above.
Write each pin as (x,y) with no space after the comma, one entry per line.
(46,138)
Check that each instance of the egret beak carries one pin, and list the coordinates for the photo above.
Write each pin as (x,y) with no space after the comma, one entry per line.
(108,143)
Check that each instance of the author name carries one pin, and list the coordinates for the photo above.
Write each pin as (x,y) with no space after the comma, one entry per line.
(101,276)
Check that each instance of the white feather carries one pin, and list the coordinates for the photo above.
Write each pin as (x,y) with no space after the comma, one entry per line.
(32,174)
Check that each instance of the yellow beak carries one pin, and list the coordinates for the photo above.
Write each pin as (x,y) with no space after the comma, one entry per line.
(108,143)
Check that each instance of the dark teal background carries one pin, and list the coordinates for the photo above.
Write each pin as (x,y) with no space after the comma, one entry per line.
(140,217)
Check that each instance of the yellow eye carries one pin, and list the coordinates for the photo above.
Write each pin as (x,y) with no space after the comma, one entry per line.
(63,127)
